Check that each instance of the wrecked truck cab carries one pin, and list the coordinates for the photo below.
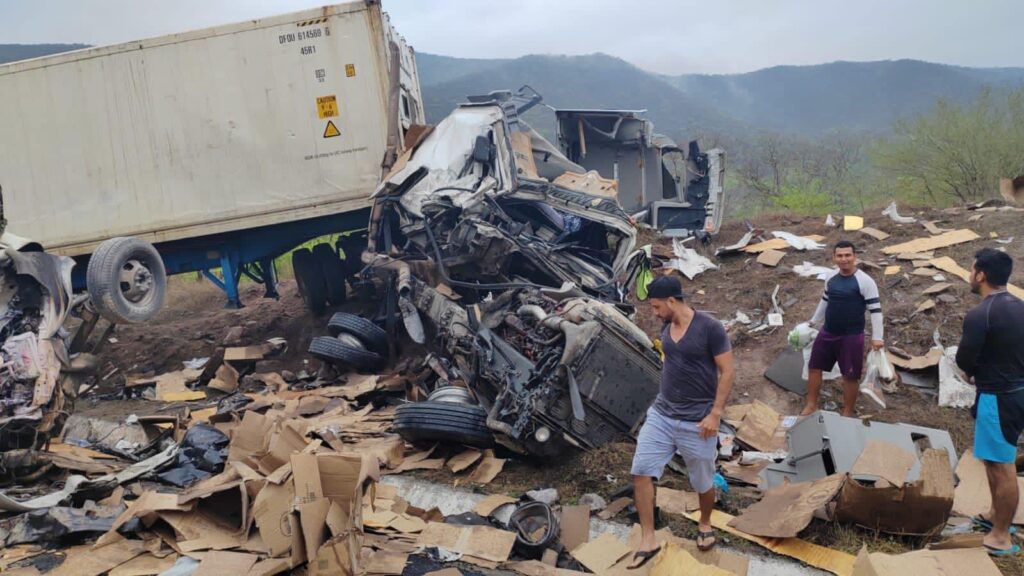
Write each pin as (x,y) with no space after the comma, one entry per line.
(521,280)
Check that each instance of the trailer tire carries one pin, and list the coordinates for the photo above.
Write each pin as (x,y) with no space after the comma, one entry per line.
(334,351)
(372,336)
(310,279)
(334,273)
(443,422)
(126,280)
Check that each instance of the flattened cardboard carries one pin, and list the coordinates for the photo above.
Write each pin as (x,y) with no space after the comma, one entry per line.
(93,561)
(488,505)
(527,567)
(575,526)
(759,426)
(244,353)
(746,474)
(884,460)
(732,563)
(773,244)
(853,223)
(874,233)
(972,495)
(920,507)
(936,288)
(786,510)
(616,506)
(429,464)
(250,437)
(915,255)
(270,567)
(933,229)
(145,565)
(225,564)
(481,542)
(226,379)
(601,554)
(929,360)
(821,557)
(771,257)
(287,437)
(275,519)
(672,560)
(947,264)
(933,242)
(677,501)
(892,270)
(488,468)
(387,562)
(928,304)
(463,460)
(975,562)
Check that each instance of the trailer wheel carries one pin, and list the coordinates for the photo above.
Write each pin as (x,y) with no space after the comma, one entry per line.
(337,352)
(310,278)
(372,336)
(443,422)
(334,273)
(126,280)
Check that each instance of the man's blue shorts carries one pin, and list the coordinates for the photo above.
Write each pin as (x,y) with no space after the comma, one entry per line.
(999,420)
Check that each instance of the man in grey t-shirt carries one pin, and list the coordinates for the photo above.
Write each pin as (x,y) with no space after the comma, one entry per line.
(696,380)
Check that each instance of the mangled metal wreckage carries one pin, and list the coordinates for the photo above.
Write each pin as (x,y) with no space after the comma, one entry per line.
(523,284)
(41,369)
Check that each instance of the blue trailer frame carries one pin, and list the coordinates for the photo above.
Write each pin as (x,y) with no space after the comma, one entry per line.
(250,252)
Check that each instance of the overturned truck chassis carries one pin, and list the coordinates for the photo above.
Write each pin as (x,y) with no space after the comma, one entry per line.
(521,280)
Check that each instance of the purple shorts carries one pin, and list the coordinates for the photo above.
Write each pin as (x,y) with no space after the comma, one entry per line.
(847,350)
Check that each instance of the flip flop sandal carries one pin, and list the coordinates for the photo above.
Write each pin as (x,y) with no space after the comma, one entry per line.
(986,525)
(644,557)
(1011,551)
(701,535)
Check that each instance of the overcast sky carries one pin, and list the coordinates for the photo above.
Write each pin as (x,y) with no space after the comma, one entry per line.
(668,36)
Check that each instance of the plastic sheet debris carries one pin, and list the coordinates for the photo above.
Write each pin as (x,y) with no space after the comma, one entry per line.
(954,391)
(799,242)
(688,261)
(51,524)
(204,450)
(830,222)
(808,270)
(196,363)
(892,211)
(877,370)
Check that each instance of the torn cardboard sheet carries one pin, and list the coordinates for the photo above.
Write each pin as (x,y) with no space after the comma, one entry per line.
(929,360)
(488,468)
(786,510)
(387,563)
(779,243)
(928,304)
(937,288)
(226,379)
(749,474)
(892,270)
(934,242)
(145,565)
(244,353)
(463,460)
(933,229)
(731,563)
(677,501)
(93,561)
(481,542)
(834,561)
(601,554)
(874,233)
(489,505)
(915,256)
(972,495)
(853,223)
(616,506)
(919,507)
(884,460)
(574,525)
(770,258)
(947,264)
(759,428)
(225,564)
(674,561)
(975,562)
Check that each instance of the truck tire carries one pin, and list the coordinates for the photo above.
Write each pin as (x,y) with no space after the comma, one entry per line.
(126,280)
(334,351)
(372,336)
(334,273)
(310,279)
(443,422)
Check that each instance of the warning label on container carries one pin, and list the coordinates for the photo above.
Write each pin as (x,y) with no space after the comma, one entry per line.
(331,130)
(327,106)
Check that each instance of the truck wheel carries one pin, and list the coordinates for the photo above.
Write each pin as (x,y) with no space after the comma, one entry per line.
(372,336)
(310,279)
(334,273)
(334,351)
(443,422)
(126,280)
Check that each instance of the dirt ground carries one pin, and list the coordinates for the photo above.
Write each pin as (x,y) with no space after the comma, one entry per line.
(194,323)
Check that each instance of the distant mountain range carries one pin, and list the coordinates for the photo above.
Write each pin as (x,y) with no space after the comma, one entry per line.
(801,100)
(804,100)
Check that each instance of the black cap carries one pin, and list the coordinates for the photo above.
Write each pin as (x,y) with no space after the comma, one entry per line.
(666,287)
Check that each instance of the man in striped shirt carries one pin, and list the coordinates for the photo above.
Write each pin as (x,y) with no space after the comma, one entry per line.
(849,293)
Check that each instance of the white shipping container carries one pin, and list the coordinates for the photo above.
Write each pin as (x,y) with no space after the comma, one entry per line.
(217,130)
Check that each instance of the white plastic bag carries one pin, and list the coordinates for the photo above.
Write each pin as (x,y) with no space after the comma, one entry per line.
(885,369)
(871,385)
(802,338)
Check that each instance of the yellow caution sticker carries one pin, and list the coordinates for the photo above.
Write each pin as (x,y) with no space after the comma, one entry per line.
(331,130)
(350,70)
(327,106)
